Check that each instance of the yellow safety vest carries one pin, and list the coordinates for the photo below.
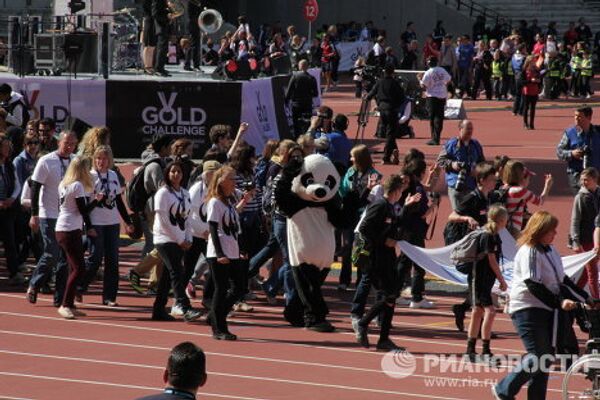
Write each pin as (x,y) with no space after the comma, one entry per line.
(586,67)
(576,63)
(497,69)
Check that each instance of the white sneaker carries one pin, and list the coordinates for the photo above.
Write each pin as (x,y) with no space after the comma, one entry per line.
(426,304)
(176,310)
(403,301)
(66,313)
(243,307)
(589,96)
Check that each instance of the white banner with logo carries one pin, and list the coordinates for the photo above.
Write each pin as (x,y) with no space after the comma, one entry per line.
(53,97)
(258,110)
(350,51)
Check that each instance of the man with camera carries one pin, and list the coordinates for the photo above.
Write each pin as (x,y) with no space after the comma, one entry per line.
(300,92)
(13,112)
(580,146)
(389,96)
(458,157)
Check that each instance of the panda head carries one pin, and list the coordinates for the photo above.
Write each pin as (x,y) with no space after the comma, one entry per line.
(318,181)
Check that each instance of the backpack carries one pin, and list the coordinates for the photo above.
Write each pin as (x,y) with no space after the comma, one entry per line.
(135,191)
(467,251)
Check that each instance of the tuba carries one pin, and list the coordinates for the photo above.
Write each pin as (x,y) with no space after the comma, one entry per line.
(176,8)
(210,21)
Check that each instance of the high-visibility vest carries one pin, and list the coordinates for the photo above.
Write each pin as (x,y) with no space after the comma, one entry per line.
(586,67)
(496,69)
(576,63)
(554,69)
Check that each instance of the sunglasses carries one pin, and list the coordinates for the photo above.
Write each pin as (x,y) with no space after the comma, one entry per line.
(32,142)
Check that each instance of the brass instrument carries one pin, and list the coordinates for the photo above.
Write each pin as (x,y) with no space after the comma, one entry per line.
(176,8)
(210,21)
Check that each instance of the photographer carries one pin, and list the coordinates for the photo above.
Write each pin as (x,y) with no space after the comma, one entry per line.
(459,157)
(389,96)
(300,92)
(13,112)
(580,146)
(321,123)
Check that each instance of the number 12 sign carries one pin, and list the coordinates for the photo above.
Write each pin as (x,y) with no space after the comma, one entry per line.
(311,10)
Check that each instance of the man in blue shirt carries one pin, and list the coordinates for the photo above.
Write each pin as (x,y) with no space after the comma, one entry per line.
(339,144)
(464,56)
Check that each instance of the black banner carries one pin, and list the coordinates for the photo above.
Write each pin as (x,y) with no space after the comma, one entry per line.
(137,110)
(285,123)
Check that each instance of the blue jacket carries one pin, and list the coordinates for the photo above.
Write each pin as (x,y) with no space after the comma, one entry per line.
(24,165)
(464,55)
(339,148)
(454,150)
(572,140)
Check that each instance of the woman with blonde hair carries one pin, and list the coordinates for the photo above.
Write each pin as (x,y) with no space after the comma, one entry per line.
(540,290)
(481,278)
(74,214)
(94,137)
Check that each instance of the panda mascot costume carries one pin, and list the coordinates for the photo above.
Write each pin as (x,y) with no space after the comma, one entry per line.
(307,194)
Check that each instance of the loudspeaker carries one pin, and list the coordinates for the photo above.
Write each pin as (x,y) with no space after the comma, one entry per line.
(104,53)
(455,109)
(76,125)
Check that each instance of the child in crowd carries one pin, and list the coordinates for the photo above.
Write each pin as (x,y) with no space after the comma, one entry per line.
(481,280)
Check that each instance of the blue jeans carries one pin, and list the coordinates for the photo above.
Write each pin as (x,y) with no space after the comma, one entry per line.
(53,258)
(534,326)
(104,245)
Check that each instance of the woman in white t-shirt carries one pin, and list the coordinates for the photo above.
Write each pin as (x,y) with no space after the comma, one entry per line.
(106,222)
(172,237)
(73,213)
(223,251)
(536,299)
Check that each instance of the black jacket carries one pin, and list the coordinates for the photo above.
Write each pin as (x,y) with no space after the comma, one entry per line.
(388,93)
(301,89)
(160,13)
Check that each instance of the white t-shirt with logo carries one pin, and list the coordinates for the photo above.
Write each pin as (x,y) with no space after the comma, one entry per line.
(106,212)
(49,171)
(69,217)
(435,81)
(171,222)
(226,216)
(199,221)
(539,266)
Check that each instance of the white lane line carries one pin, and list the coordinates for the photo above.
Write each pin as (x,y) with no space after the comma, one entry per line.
(88,382)
(250,377)
(4,397)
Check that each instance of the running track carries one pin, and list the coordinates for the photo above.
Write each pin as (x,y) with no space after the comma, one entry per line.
(120,353)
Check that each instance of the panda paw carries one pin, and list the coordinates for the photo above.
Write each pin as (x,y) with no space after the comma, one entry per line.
(293,168)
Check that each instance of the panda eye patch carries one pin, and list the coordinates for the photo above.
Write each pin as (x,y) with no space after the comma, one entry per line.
(307,179)
(330,182)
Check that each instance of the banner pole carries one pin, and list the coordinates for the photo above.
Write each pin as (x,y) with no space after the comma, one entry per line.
(309,32)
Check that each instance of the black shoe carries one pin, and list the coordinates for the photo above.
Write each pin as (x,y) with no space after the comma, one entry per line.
(224,336)
(162,316)
(32,295)
(459,317)
(363,336)
(411,134)
(162,73)
(323,326)
(432,142)
(187,68)
(46,289)
(472,357)
(57,304)
(191,314)
(388,345)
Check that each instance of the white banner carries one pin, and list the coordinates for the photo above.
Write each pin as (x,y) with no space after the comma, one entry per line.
(49,97)
(437,261)
(316,73)
(258,110)
(350,51)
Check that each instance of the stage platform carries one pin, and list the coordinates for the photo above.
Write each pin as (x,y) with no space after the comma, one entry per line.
(137,106)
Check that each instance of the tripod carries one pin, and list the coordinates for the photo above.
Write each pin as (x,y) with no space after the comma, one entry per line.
(363,119)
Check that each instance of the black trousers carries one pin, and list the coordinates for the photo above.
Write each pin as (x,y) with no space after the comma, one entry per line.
(436,108)
(309,279)
(193,54)
(389,121)
(529,103)
(482,76)
(301,114)
(228,282)
(405,267)
(7,234)
(162,48)
(171,255)
(518,100)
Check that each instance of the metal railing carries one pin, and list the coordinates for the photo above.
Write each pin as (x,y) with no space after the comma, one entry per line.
(476,9)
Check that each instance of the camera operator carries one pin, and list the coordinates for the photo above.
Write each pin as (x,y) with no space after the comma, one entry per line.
(389,95)
(435,82)
(13,112)
(300,92)
(580,146)
(458,157)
